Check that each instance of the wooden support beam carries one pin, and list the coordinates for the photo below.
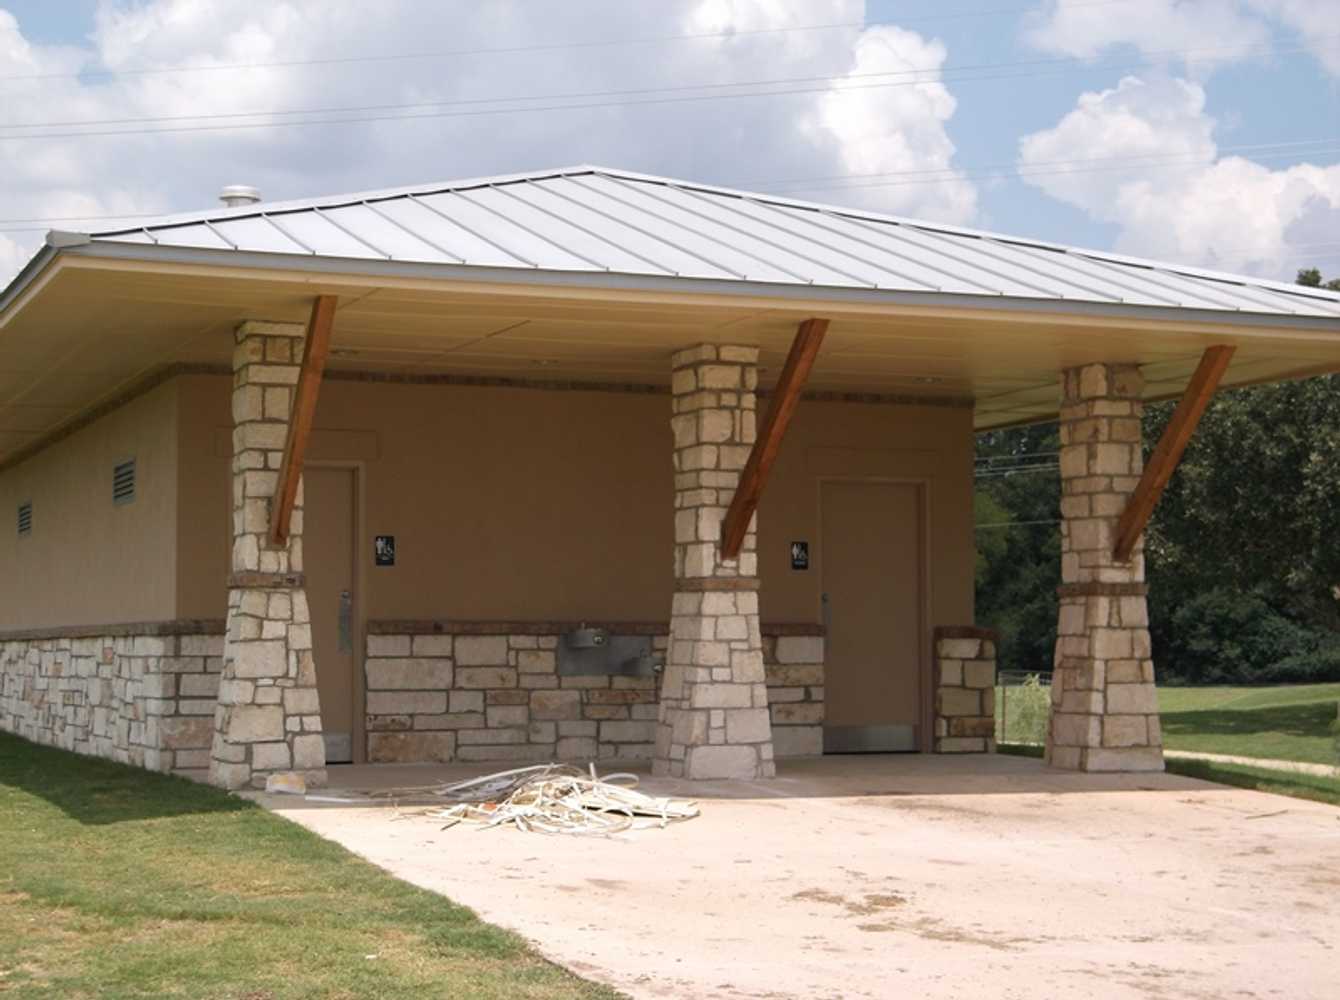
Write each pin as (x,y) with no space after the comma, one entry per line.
(1163,462)
(790,384)
(315,351)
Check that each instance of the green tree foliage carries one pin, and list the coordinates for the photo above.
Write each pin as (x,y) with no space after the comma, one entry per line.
(1243,552)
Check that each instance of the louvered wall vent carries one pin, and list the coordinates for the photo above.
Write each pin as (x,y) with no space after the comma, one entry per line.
(123,482)
(25,518)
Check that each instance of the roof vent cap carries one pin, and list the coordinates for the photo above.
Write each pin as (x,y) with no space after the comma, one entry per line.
(239,195)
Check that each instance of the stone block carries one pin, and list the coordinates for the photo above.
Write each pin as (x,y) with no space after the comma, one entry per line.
(951,673)
(798,741)
(517,754)
(385,748)
(436,646)
(979,674)
(198,685)
(388,645)
(1132,699)
(260,658)
(800,649)
(627,732)
(481,650)
(1076,730)
(255,723)
(476,737)
(1125,731)
(406,702)
(556,704)
(301,701)
(957,701)
(270,757)
(575,748)
(309,751)
(748,726)
(465,701)
(971,726)
(795,676)
(960,744)
(959,649)
(536,661)
(721,696)
(485,677)
(185,733)
(409,674)
(507,715)
(722,762)
(797,713)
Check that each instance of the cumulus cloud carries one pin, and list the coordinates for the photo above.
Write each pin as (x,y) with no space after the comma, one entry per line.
(1182,201)
(1200,33)
(834,124)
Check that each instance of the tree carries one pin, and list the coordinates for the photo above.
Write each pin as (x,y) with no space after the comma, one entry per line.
(1244,561)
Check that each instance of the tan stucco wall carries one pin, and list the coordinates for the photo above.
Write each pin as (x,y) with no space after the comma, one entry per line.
(89,561)
(511,503)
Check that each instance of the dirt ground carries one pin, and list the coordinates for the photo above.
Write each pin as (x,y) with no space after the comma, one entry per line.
(916,876)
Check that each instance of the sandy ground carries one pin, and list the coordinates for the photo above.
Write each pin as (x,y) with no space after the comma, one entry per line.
(914,876)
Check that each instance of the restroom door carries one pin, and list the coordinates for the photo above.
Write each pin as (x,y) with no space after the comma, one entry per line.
(328,559)
(873,593)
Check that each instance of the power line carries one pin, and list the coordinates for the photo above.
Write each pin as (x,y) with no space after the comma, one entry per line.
(1063,66)
(547,47)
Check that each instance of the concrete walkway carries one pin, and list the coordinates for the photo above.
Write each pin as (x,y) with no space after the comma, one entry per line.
(916,876)
(1269,763)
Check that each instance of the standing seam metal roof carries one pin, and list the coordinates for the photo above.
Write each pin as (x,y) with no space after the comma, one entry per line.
(594,220)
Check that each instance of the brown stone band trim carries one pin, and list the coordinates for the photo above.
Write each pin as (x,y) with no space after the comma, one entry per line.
(181,626)
(1098,588)
(699,585)
(965,632)
(266,581)
(448,627)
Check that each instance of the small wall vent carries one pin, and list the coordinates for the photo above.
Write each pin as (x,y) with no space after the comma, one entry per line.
(25,519)
(123,482)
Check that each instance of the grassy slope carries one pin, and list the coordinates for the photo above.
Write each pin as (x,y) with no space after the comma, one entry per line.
(118,883)
(1290,722)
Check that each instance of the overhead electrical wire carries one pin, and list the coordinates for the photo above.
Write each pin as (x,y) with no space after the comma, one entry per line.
(547,47)
(962,74)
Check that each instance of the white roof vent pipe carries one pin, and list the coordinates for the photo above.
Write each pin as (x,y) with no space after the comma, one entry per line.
(239,195)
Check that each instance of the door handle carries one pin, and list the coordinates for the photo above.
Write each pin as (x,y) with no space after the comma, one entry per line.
(346,622)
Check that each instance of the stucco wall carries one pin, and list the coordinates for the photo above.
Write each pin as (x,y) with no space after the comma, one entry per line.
(89,561)
(522,504)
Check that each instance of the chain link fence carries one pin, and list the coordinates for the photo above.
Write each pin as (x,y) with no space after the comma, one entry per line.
(1023,706)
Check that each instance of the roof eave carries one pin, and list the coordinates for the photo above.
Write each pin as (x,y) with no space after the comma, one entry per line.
(634,282)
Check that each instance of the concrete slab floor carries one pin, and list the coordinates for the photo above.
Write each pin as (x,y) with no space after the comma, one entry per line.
(917,876)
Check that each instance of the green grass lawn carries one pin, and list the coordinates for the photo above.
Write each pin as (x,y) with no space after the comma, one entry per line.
(118,883)
(1286,722)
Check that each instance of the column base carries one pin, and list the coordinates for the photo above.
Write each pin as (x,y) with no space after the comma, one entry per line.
(714,722)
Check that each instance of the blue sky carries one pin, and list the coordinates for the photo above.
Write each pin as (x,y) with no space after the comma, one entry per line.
(1206,131)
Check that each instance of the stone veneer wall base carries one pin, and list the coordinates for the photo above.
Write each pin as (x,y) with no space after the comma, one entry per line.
(141,695)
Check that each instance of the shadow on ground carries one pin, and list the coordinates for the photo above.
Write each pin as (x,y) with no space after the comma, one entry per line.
(106,792)
(1311,720)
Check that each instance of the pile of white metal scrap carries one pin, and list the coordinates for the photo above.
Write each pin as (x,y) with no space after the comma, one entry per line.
(552,798)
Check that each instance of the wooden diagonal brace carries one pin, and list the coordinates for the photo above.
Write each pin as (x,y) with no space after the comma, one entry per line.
(1163,462)
(315,351)
(785,397)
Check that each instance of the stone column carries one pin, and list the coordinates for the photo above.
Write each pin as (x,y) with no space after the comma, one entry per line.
(1104,708)
(713,716)
(268,718)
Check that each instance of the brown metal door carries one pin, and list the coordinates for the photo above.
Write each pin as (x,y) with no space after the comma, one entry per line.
(871,561)
(328,557)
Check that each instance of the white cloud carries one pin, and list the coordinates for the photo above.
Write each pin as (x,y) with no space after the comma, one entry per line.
(831,129)
(1313,21)
(1200,33)
(1186,202)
